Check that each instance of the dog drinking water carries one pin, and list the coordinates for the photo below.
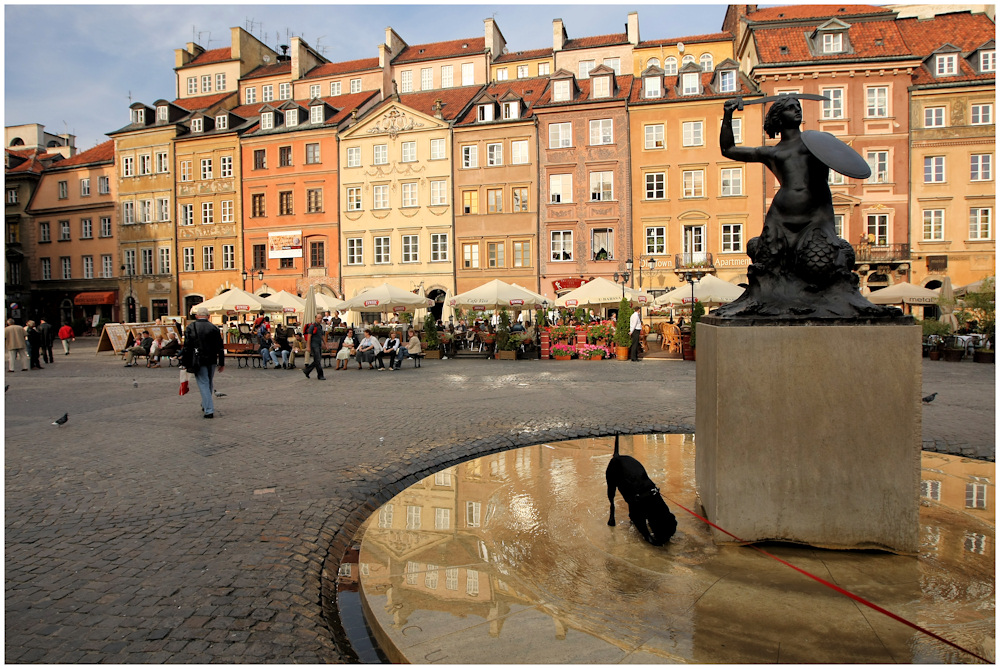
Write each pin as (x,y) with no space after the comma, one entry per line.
(646,509)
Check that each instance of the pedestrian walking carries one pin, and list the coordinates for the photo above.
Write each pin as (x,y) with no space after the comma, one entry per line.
(635,327)
(66,335)
(34,344)
(314,341)
(15,344)
(48,334)
(203,351)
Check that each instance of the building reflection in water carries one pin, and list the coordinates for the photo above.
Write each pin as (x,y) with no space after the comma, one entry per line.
(509,558)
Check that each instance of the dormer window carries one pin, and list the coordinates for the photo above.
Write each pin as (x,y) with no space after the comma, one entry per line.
(291,118)
(139,116)
(267,120)
(833,42)
(222,122)
(601,87)
(484,113)
(197,125)
(707,62)
(946,65)
(651,87)
(561,91)
(690,83)
(512,110)
(988,61)
(162,113)
(316,114)
(727,81)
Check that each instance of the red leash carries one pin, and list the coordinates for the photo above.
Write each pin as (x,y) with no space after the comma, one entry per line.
(846,593)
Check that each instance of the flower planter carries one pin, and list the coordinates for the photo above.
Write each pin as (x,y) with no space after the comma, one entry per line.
(984,356)
(563,357)
(934,354)
(621,352)
(953,354)
(595,357)
(430,354)
(506,355)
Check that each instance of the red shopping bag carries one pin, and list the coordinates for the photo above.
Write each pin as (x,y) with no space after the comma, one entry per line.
(186,379)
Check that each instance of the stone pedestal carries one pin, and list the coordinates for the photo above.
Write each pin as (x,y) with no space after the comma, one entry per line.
(810,433)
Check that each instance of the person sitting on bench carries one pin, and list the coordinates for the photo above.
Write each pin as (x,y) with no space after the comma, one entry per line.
(141,349)
(412,348)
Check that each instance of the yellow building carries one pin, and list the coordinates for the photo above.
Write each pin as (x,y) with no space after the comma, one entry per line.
(670,55)
(522,65)
(200,72)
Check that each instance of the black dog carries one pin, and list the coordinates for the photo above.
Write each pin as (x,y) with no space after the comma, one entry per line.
(645,506)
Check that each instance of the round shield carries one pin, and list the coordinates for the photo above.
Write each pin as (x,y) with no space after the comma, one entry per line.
(836,155)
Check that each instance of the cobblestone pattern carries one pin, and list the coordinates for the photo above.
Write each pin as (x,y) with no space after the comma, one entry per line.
(139,532)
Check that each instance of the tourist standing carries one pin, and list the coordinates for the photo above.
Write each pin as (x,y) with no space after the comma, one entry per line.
(314,340)
(15,343)
(635,327)
(34,344)
(48,334)
(66,335)
(203,338)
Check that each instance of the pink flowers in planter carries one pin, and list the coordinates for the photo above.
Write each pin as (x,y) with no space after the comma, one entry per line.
(593,351)
(563,349)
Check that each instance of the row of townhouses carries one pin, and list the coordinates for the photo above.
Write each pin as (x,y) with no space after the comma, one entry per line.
(438,167)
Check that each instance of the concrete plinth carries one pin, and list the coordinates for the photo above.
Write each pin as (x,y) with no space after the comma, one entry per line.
(810,433)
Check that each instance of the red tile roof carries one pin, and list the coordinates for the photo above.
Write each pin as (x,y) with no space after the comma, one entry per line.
(434,50)
(689,39)
(202,101)
(623,90)
(966,31)
(249,111)
(596,41)
(269,70)
(923,76)
(346,67)
(102,153)
(791,12)
(211,56)
(34,161)
(864,38)
(453,99)
(524,55)
(529,90)
(345,104)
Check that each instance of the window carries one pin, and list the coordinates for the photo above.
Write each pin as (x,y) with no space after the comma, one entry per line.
(511,110)
(946,65)
(103,185)
(64,231)
(439,193)
(409,191)
(694,242)
(291,118)
(981,167)
(250,96)
(585,67)
(259,254)
(484,113)
(260,159)
(522,71)
(651,87)
(128,213)
(187,254)
(86,228)
(192,85)
(353,199)
(105,226)
(470,256)
(162,113)
(727,81)
(187,214)
(411,248)
(226,166)
(980,223)
(691,133)
(833,106)
(470,156)
(409,152)
(654,136)
(544,70)
(207,213)
(355,251)
(146,261)
(11,196)
(314,200)
(67,267)
(982,114)
(267,120)
(470,202)
(164,256)
(670,66)
(933,117)
(690,83)
(227,211)
(835,178)
(933,169)
(988,61)
(468,74)
(833,42)
(519,198)
(601,87)
(257,208)
(732,181)
(316,114)
(879,163)
(284,156)
(687,59)
(380,154)
(437,149)
(933,224)
(877,228)
(426,78)
(519,152)
(46,269)
(228,256)
(602,244)
(560,135)
(522,253)
(975,496)
(185,170)
(267,93)
(561,245)
(285,91)
(145,211)
(380,197)
(601,186)
(381,250)
(656,240)
(694,183)
(439,247)
(406,81)
(139,116)
(494,155)
(561,90)
(494,201)
(208,257)
(707,62)
(314,91)
(163,209)
(145,164)
(285,207)
(220,81)
(602,131)
(738,130)
(495,255)
(206,83)
(447,76)
(128,166)
(317,254)
(732,238)
(878,102)
(355,85)
(206,168)
(560,188)
(107,266)
(656,185)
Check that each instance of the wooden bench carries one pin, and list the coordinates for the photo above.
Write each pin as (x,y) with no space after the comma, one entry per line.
(244,354)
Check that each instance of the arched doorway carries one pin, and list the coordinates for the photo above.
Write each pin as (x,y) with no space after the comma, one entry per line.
(66,311)
(438,296)
(877,282)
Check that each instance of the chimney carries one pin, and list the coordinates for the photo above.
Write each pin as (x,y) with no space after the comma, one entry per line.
(558,35)
(495,42)
(633,28)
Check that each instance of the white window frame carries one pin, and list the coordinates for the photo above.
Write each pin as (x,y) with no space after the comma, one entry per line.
(439,193)
(981,167)
(585,66)
(354,156)
(934,169)
(690,83)
(693,183)
(410,245)
(933,228)
(600,87)
(316,114)
(192,85)
(833,108)
(406,81)
(225,167)
(163,208)
(981,114)
(656,240)
(187,214)
(732,238)
(877,98)
(103,185)
(86,228)
(380,196)
(162,162)
(727,81)
(313,156)
(652,87)
(383,251)
(207,169)
(84,187)
(876,160)
(207,213)
(934,117)
(560,185)
(602,186)
(228,211)
(544,69)
(988,60)
(655,137)
(380,154)
(693,133)
(833,42)
(731,182)
(267,121)
(206,83)
(267,93)
(980,223)
(522,71)
(128,166)
(470,156)
(560,135)
(519,152)
(315,91)
(353,198)
(208,258)
(408,152)
(561,246)
(946,65)
(355,85)
(220,81)
(250,96)
(336,88)
(438,149)
(408,193)
(187,258)
(602,131)
(163,258)
(494,154)
(468,74)
(656,185)
(355,251)
(670,66)
(561,90)
(439,247)
(291,118)
(426,78)
(447,76)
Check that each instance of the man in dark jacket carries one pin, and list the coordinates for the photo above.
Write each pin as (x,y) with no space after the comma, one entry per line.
(314,341)
(203,350)
(48,334)
(142,348)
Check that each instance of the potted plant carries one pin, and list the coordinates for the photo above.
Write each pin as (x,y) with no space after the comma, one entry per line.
(623,338)
(563,351)
(954,350)
(562,333)
(600,333)
(580,315)
(592,352)
(429,341)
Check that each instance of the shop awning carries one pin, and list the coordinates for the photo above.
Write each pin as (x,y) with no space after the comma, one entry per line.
(96,297)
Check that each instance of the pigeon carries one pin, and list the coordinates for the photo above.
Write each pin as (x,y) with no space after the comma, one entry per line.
(929,398)
(62,420)
(135,384)
(218,394)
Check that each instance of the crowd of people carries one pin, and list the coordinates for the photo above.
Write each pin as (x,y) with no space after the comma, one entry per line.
(29,345)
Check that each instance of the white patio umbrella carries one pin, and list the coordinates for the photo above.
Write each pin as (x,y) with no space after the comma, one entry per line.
(237,300)
(709,290)
(947,304)
(904,293)
(494,295)
(601,293)
(289,303)
(309,315)
(973,287)
(385,298)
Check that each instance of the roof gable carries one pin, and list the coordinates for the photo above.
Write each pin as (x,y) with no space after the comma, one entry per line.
(391,119)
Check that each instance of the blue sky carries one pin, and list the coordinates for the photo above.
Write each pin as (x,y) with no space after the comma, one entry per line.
(73,67)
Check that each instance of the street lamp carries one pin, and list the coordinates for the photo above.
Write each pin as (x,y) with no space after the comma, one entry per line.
(692,275)
(624,276)
(129,301)
(249,275)
(650,266)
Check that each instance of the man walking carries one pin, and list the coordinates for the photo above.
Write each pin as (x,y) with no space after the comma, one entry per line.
(48,334)
(314,342)
(66,335)
(635,327)
(15,343)
(203,339)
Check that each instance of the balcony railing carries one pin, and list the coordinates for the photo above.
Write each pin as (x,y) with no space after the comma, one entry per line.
(881,253)
(684,261)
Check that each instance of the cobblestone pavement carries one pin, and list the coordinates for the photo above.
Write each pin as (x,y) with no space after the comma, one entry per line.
(139,532)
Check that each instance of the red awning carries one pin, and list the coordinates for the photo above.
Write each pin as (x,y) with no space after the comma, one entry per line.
(99,297)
